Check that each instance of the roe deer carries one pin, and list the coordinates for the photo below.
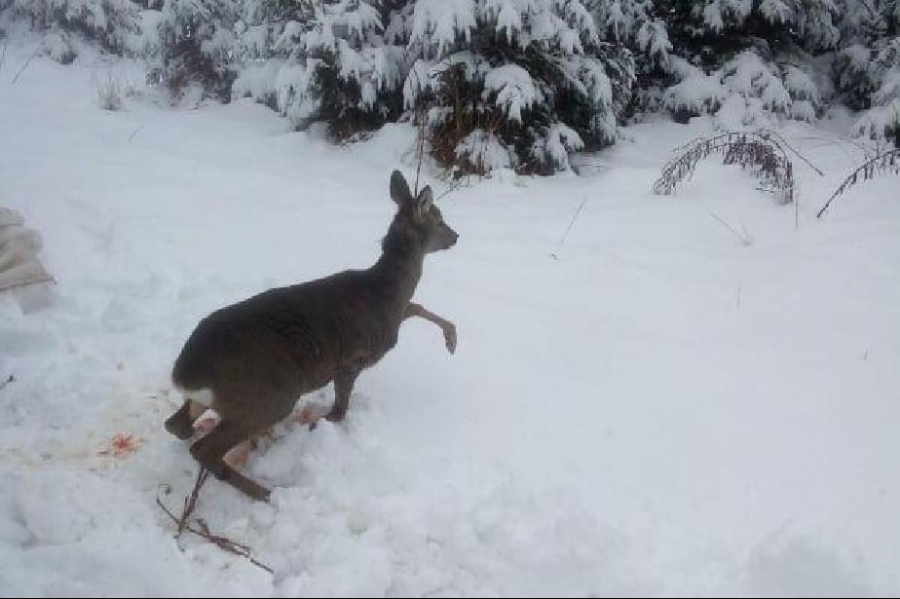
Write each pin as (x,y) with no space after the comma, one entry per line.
(237,456)
(250,362)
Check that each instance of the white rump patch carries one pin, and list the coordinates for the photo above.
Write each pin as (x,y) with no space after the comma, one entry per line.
(204,396)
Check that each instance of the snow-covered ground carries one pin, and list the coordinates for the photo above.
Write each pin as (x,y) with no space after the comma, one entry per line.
(650,404)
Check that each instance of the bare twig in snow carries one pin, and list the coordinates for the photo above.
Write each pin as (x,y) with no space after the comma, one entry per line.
(783,142)
(190,504)
(3,55)
(453,187)
(27,62)
(555,254)
(422,117)
(420,150)
(745,237)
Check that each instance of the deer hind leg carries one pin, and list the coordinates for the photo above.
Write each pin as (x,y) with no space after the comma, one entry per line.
(181,423)
(237,456)
(210,453)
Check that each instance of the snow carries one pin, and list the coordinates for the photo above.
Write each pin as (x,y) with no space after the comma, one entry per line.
(514,88)
(508,19)
(558,144)
(653,39)
(890,87)
(697,91)
(642,402)
(744,91)
(776,11)
(484,150)
(747,75)
(878,119)
(801,85)
(440,23)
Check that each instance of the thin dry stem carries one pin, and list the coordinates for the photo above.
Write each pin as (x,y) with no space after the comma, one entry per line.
(25,66)
(182,523)
(886,163)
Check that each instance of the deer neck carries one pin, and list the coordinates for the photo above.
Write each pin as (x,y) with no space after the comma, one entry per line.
(398,270)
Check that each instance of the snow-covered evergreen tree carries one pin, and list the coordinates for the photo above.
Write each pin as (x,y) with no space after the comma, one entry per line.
(323,61)
(196,45)
(108,23)
(751,57)
(867,68)
(517,83)
(637,24)
(718,29)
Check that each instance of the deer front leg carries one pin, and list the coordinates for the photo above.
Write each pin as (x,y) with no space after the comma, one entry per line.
(237,456)
(448,328)
(343,385)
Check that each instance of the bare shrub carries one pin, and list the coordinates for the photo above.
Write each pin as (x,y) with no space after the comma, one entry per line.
(883,164)
(109,93)
(760,153)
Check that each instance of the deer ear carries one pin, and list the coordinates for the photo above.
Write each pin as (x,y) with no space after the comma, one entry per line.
(400,189)
(424,201)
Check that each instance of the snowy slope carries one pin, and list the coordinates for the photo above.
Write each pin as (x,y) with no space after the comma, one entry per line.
(650,405)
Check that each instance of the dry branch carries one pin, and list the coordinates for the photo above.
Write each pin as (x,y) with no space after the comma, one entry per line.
(190,505)
(3,54)
(886,163)
(25,66)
